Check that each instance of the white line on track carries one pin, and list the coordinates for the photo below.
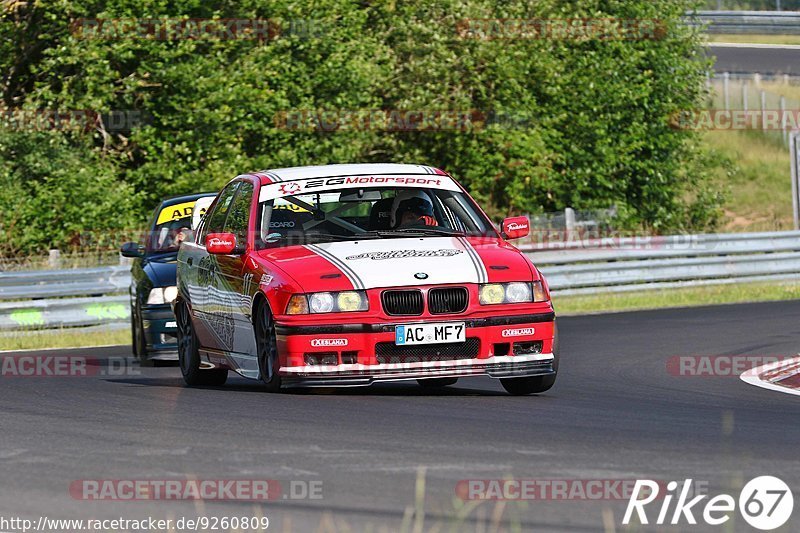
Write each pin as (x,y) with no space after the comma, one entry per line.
(753,376)
(62,349)
(756,45)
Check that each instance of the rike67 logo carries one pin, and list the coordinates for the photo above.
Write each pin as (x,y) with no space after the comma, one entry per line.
(765,503)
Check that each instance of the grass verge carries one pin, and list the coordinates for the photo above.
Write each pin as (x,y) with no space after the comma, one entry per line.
(66,338)
(685,297)
(756,181)
(754,39)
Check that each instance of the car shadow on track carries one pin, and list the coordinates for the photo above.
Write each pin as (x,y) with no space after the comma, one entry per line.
(382,389)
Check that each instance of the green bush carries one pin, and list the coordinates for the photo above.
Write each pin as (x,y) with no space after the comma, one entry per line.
(581,123)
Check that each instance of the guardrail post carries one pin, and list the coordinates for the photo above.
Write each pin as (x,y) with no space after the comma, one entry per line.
(744,95)
(726,79)
(784,133)
(794,154)
(569,222)
(54,259)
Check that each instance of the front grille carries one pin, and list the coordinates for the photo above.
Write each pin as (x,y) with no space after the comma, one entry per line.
(447,300)
(389,352)
(402,302)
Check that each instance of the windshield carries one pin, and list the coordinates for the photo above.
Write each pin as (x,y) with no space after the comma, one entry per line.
(172,226)
(368,213)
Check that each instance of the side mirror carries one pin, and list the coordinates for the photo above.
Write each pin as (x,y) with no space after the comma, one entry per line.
(221,243)
(516,227)
(131,249)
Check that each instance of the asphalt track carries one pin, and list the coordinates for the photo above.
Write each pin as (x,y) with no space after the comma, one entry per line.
(748,58)
(615,413)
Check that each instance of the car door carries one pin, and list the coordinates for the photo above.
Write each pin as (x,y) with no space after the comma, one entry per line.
(208,307)
(236,284)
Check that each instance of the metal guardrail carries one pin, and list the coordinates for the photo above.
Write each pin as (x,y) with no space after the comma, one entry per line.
(750,22)
(46,299)
(58,283)
(644,263)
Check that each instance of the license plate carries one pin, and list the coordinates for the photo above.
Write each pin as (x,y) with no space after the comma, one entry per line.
(430,333)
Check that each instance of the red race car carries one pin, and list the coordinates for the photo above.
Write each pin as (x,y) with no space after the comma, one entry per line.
(347,275)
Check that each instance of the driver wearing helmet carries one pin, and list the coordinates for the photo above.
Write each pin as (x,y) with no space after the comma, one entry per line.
(414,211)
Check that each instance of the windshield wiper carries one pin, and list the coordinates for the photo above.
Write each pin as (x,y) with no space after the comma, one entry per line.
(354,237)
(419,231)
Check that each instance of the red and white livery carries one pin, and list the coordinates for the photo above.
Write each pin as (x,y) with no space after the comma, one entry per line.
(346,275)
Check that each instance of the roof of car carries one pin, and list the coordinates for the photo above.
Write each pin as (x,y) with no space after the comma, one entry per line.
(172,200)
(327,171)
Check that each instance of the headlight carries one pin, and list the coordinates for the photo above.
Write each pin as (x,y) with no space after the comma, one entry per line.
(350,301)
(518,292)
(493,293)
(162,295)
(320,302)
(170,294)
(327,302)
(511,293)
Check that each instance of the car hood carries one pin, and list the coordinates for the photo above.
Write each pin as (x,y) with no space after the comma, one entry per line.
(161,273)
(376,263)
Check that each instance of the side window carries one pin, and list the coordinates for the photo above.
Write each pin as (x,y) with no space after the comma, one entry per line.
(239,213)
(214,222)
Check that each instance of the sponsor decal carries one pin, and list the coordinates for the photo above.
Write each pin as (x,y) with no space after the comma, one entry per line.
(289,207)
(518,332)
(175,212)
(275,190)
(289,188)
(216,241)
(403,254)
(266,279)
(328,342)
(514,226)
(284,224)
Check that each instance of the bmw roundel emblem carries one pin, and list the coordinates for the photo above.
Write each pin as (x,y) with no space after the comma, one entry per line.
(421,275)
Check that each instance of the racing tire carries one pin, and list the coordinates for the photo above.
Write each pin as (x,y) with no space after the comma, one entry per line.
(138,342)
(189,354)
(431,383)
(267,349)
(535,384)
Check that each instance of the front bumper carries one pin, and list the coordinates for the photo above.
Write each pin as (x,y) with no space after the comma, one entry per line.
(160,332)
(355,375)
(349,355)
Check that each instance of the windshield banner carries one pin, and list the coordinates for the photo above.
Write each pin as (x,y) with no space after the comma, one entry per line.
(312,185)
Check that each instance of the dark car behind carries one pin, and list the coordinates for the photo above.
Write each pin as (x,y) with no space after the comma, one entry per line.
(153,271)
